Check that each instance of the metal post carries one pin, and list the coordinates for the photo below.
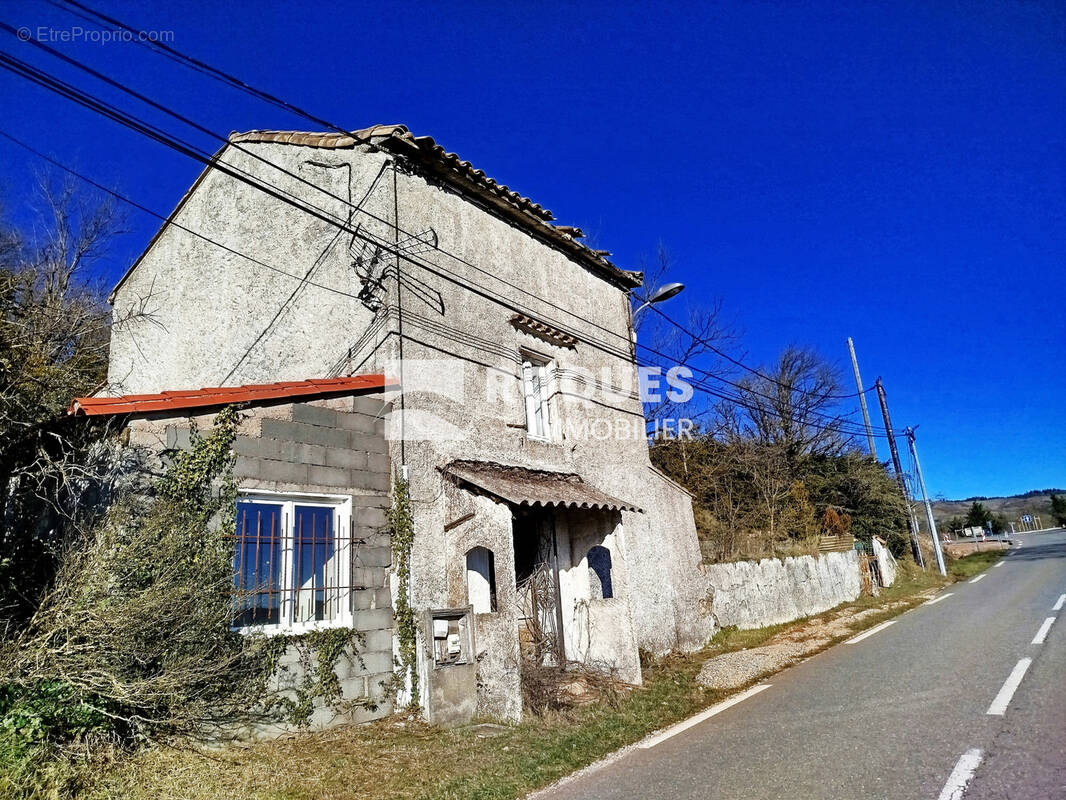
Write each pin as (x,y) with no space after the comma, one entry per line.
(862,399)
(898,467)
(928,507)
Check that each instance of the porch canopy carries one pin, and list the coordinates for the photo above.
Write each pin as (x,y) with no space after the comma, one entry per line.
(533,487)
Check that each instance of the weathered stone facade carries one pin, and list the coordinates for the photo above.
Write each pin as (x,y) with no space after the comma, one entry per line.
(303,300)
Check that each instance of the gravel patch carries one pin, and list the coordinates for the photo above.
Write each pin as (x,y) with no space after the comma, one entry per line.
(741,667)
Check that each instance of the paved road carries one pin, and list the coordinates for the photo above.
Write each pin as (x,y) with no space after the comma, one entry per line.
(901,714)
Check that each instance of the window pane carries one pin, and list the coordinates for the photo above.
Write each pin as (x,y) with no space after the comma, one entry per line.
(535,388)
(542,398)
(538,403)
(530,397)
(316,567)
(257,564)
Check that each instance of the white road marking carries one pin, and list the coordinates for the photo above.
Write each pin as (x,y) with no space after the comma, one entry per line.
(718,708)
(999,705)
(975,580)
(1059,603)
(871,632)
(999,564)
(938,599)
(961,776)
(1041,634)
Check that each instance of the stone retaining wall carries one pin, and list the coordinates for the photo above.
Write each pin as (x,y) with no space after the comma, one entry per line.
(754,594)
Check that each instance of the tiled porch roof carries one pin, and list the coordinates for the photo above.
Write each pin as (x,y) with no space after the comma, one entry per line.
(533,487)
(310,389)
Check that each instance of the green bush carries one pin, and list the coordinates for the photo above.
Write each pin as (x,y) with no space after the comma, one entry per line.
(48,711)
(138,620)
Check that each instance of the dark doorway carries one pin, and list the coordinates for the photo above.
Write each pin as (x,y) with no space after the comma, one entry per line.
(537,585)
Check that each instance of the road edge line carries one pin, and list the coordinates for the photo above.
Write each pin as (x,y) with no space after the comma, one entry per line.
(961,776)
(684,725)
(871,632)
(1045,628)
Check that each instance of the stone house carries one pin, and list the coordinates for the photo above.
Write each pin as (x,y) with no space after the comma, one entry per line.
(542,531)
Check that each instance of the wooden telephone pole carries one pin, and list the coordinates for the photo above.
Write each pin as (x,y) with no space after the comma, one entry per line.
(898,467)
(862,398)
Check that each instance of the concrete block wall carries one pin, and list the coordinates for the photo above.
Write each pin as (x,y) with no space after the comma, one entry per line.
(316,448)
(333,447)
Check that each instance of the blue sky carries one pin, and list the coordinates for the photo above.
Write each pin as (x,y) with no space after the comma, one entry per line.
(894,172)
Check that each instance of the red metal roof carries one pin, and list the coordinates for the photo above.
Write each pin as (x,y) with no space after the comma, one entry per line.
(225,395)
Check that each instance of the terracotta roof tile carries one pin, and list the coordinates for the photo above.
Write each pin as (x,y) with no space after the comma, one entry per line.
(224,395)
(379,135)
(450,167)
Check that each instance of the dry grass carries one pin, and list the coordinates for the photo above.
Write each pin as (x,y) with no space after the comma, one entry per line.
(403,758)
(407,759)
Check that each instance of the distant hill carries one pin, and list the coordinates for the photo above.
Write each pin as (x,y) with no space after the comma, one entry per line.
(1036,502)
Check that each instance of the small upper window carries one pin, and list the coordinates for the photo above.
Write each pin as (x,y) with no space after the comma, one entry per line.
(291,563)
(600,586)
(535,373)
(481,580)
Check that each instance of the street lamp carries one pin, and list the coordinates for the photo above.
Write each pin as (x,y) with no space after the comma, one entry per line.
(664,292)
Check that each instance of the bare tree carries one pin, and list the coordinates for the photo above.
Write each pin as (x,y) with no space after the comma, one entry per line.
(54,326)
(704,337)
(769,472)
(54,334)
(793,405)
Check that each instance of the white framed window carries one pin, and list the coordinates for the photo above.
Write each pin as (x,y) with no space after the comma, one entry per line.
(536,374)
(291,562)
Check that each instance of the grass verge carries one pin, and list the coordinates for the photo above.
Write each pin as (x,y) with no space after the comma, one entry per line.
(960,569)
(402,758)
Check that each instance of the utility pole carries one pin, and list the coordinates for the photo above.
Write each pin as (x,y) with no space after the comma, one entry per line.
(898,467)
(925,499)
(862,398)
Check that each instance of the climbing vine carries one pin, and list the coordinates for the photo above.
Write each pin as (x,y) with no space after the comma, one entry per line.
(317,654)
(136,636)
(402,531)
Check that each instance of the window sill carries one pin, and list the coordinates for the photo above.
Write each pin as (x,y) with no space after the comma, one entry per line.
(295,629)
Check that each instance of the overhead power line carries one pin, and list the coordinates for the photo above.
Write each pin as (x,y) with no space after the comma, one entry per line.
(710,346)
(144,209)
(72,93)
(94,16)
